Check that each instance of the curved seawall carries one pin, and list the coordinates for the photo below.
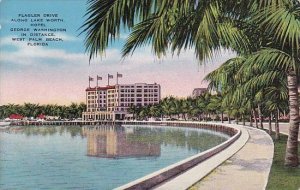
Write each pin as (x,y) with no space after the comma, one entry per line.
(238,138)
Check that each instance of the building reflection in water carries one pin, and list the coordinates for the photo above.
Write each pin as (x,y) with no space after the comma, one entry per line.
(112,142)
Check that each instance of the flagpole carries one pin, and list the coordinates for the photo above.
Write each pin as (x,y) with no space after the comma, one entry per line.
(89,82)
(108,79)
(97,81)
(117,77)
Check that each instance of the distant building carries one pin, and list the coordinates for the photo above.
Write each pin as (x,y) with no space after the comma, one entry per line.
(199,91)
(16,117)
(112,102)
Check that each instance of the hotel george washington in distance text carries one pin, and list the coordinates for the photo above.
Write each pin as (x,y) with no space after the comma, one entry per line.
(112,102)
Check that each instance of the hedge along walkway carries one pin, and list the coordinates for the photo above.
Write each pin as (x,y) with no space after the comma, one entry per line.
(248,169)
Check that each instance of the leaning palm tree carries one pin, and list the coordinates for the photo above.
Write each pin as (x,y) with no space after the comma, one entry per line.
(206,26)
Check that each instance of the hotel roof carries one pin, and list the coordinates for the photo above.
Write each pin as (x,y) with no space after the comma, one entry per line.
(100,88)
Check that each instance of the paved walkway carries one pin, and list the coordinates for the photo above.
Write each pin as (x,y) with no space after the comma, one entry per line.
(248,169)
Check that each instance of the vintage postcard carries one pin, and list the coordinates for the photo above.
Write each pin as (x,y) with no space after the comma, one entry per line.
(149,94)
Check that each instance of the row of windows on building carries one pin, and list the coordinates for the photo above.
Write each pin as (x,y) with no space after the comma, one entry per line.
(123,107)
(124,90)
(123,95)
(124,100)
(132,86)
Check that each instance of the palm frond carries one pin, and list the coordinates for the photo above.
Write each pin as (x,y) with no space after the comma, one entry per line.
(282,23)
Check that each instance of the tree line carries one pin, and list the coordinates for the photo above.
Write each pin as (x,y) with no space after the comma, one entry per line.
(208,107)
(74,110)
(204,107)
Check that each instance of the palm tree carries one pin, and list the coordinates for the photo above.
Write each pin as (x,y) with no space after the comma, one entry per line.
(207,26)
(200,106)
(155,110)
(133,109)
(177,108)
(81,108)
(167,106)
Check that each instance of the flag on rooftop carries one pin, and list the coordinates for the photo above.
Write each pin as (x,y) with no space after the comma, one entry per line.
(110,76)
(119,75)
(99,78)
(91,79)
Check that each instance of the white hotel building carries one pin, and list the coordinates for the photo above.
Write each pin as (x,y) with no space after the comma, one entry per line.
(112,102)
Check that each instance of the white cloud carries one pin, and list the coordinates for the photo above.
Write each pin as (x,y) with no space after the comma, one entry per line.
(123,36)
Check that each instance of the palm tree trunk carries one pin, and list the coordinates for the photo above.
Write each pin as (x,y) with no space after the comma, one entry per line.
(243,118)
(236,120)
(291,155)
(229,121)
(260,116)
(255,119)
(184,116)
(222,117)
(277,133)
(270,124)
(251,122)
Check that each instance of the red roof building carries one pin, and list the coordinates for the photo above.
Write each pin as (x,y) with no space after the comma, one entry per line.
(16,116)
(41,116)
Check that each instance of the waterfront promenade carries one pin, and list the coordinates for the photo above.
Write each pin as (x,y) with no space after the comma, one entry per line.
(248,169)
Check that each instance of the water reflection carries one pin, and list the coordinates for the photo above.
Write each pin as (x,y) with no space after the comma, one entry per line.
(196,139)
(129,141)
(44,157)
(114,142)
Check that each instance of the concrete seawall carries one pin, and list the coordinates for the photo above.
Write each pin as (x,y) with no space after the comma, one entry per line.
(157,179)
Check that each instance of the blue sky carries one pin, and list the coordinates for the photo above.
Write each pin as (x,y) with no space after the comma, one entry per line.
(58,73)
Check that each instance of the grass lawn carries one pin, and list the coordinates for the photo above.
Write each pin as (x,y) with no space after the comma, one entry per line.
(282,177)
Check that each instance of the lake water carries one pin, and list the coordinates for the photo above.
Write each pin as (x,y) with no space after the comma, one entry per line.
(71,157)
